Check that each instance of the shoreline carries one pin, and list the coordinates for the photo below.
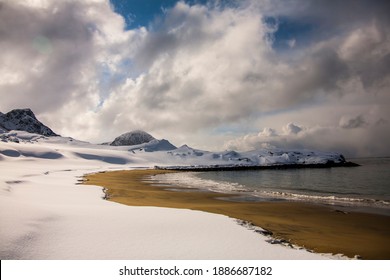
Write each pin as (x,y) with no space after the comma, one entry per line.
(207,168)
(317,228)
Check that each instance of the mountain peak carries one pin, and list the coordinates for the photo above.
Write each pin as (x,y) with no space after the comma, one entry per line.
(135,137)
(25,120)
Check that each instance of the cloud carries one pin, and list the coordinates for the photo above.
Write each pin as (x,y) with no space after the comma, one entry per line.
(220,63)
(44,50)
(267,132)
(291,128)
(201,69)
(329,15)
(203,74)
(291,43)
(344,139)
(346,122)
(54,54)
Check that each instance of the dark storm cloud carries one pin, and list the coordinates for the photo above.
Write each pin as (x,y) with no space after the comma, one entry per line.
(356,122)
(181,28)
(317,74)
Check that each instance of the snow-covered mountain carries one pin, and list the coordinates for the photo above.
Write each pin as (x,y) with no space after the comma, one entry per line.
(141,140)
(153,146)
(25,120)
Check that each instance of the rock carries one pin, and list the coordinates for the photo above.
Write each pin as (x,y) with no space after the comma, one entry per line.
(132,138)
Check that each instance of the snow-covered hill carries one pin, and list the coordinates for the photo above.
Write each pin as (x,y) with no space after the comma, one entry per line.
(141,140)
(131,138)
(263,158)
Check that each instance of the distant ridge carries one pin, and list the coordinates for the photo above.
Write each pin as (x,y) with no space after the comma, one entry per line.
(25,120)
(237,167)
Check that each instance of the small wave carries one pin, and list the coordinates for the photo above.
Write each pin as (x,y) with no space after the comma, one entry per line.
(190,180)
(331,199)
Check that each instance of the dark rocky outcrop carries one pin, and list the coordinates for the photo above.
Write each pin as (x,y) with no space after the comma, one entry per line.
(132,138)
(25,120)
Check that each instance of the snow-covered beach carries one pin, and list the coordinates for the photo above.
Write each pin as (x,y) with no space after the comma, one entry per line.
(45,214)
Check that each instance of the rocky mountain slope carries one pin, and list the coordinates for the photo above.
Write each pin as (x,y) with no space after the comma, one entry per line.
(25,120)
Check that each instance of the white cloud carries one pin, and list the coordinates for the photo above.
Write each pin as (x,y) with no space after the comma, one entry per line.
(349,138)
(291,43)
(267,132)
(291,128)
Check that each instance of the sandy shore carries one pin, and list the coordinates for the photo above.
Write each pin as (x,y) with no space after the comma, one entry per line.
(321,229)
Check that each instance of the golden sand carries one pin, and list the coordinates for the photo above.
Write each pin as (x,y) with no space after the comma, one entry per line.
(318,228)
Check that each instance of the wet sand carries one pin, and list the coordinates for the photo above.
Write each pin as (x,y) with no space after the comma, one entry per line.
(318,228)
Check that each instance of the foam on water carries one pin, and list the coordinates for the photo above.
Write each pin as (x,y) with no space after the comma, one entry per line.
(190,180)
(331,199)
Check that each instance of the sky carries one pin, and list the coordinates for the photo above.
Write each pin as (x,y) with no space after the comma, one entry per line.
(216,75)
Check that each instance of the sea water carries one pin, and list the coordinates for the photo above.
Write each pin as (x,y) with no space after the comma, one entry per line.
(364,188)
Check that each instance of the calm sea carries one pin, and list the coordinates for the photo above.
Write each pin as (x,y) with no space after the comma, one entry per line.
(364,188)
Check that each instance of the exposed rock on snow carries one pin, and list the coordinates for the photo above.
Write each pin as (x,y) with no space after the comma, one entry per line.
(25,120)
(131,138)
